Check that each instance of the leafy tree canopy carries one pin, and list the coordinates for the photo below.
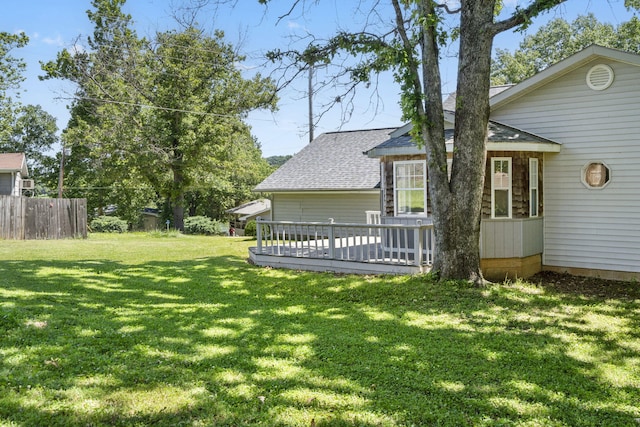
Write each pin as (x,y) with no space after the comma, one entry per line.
(33,132)
(11,69)
(559,39)
(277,161)
(161,117)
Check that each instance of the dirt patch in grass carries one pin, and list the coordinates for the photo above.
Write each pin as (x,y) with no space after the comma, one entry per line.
(587,286)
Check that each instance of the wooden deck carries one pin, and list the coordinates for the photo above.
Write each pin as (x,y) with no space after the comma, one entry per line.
(344,248)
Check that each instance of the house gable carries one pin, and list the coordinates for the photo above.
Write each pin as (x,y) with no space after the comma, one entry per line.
(585,228)
(13,168)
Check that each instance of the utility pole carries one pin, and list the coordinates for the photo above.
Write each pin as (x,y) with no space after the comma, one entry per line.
(61,174)
(310,102)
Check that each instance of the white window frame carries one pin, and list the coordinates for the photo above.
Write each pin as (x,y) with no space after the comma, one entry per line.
(534,207)
(585,170)
(396,189)
(494,188)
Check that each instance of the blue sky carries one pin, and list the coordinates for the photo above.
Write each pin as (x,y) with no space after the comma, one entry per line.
(56,24)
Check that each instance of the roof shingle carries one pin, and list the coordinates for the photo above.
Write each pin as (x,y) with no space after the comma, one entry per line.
(332,161)
(13,162)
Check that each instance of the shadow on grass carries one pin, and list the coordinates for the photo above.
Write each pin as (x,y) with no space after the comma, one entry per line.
(214,341)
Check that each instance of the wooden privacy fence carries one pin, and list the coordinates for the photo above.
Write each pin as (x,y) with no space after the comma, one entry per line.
(28,218)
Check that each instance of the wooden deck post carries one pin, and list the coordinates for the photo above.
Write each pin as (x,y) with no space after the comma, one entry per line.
(332,239)
(259,233)
(419,243)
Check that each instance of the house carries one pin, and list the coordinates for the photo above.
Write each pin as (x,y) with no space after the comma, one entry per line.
(13,170)
(247,212)
(329,178)
(563,163)
(562,166)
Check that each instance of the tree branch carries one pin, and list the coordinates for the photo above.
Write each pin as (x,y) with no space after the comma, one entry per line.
(446,8)
(524,16)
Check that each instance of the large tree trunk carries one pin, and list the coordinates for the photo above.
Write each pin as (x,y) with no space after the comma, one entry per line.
(457,206)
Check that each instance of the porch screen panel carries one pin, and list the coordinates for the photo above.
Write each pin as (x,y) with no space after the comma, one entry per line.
(501,187)
(410,179)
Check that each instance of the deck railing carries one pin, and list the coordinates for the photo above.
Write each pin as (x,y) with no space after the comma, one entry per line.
(375,243)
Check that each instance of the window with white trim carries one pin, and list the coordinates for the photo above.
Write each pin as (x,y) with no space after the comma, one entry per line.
(596,175)
(410,186)
(501,187)
(533,188)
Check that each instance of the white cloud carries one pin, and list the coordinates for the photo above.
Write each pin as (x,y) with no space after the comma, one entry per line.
(57,41)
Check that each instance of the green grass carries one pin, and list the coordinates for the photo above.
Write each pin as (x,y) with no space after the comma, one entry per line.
(135,330)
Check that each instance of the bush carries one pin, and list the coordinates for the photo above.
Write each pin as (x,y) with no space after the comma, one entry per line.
(109,224)
(204,225)
(250,228)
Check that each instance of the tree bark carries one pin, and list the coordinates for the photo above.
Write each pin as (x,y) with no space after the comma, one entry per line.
(457,206)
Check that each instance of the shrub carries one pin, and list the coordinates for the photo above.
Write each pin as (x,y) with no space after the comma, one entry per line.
(204,225)
(109,224)
(250,228)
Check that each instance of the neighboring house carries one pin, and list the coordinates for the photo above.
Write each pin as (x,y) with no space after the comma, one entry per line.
(247,212)
(562,172)
(13,169)
(330,178)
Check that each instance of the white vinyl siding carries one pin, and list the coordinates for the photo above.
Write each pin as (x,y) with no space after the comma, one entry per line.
(585,228)
(501,187)
(344,207)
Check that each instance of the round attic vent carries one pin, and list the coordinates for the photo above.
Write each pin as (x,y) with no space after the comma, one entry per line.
(600,77)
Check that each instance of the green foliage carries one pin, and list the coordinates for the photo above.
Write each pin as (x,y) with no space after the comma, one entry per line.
(131,330)
(33,132)
(109,224)
(277,161)
(161,118)
(11,68)
(250,229)
(11,75)
(204,226)
(559,39)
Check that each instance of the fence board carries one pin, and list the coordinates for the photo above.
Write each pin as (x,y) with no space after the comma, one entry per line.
(35,218)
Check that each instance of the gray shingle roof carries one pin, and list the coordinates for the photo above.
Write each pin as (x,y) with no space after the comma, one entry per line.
(332,161)
(449,104)
(498,134)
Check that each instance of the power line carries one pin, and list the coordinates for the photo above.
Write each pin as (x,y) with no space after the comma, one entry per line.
(157,107)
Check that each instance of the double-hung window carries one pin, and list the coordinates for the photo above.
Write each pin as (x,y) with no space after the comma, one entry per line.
(410,186)
(501,187)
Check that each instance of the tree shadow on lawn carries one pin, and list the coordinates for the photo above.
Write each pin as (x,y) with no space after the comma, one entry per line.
(216,342)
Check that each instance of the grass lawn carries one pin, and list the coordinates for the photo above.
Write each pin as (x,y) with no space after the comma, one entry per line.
(136,330)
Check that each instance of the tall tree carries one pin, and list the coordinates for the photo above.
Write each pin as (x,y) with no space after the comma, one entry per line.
(33,132)
(11,69)
(166,112)
(558,40)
